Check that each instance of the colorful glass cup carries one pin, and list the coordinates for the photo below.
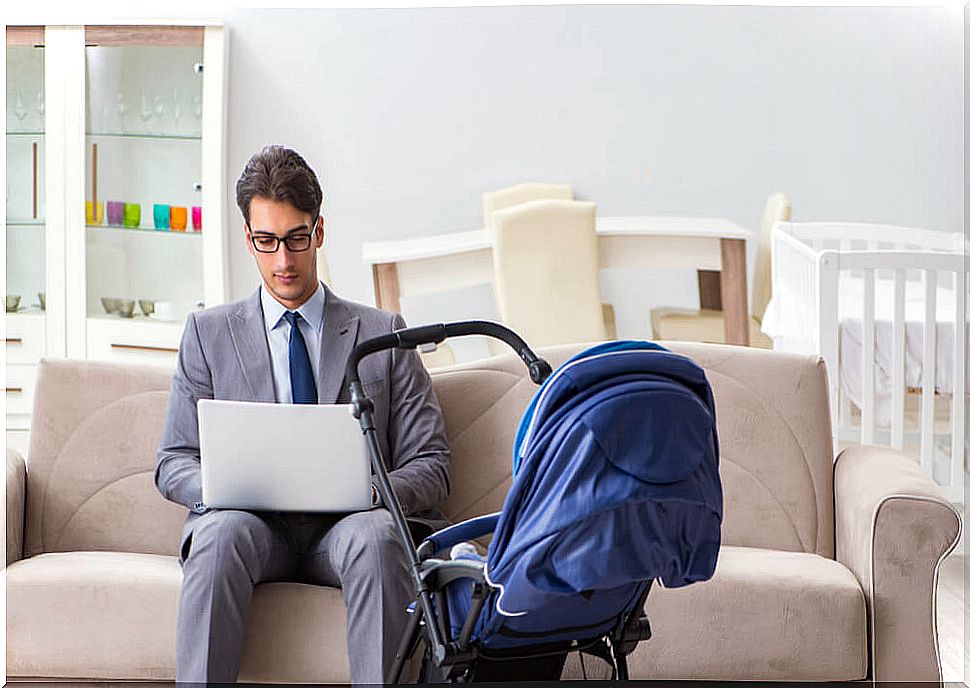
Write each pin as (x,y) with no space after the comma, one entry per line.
(116,213)
(161,213)
(197,218)
(132,214)
(178,218)
(94,212)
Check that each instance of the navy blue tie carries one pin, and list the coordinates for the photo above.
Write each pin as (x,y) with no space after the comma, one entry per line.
(302,385)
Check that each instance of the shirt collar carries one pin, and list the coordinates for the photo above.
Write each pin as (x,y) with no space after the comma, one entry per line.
(311,311)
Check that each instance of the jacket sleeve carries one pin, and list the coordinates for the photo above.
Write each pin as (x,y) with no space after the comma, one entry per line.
(178,473)
(420,458)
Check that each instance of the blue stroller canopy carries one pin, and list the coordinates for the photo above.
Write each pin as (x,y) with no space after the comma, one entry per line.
(616,483)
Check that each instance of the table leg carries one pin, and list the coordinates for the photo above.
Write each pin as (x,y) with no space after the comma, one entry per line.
(387,291)
(734,291)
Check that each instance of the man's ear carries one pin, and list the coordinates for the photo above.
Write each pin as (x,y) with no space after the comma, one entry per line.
(249,241)
(319,229)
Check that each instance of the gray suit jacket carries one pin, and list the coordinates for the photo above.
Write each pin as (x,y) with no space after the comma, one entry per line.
(224,354)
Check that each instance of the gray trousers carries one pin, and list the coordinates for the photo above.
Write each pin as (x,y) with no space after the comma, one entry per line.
(232,551)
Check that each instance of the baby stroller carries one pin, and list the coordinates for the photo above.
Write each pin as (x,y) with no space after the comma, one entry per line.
(615,485)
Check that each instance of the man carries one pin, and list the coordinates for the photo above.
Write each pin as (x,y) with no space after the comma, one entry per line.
(289,342)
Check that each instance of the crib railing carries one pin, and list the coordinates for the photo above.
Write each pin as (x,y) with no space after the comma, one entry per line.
(812,263)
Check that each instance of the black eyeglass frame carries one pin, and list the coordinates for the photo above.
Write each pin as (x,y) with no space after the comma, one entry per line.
(283,240)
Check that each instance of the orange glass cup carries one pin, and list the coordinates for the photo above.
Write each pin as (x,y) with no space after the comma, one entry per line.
(178,218)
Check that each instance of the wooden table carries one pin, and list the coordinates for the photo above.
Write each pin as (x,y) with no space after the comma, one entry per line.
(433,264)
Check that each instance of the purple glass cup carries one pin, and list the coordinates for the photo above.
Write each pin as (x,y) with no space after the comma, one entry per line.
(197,218)
(116,213)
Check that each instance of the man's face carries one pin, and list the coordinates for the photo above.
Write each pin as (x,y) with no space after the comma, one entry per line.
(290,276)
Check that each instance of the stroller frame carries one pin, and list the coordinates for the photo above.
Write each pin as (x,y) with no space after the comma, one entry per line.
(453,658)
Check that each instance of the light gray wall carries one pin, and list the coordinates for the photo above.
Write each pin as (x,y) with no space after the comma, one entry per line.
(408,115)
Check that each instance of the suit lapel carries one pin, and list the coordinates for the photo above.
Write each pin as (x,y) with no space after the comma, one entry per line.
(338,339)
(248,331)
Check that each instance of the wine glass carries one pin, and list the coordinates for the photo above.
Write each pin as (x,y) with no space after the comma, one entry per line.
(158,107)
(41,103)
(176,108)
(146,110)
(197,106)
(19,109)
(121,108)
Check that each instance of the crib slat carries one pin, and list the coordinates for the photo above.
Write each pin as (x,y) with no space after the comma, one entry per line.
(827,331)
(845,409)
(899,360)
(868,357)
(929,372)
(958,406)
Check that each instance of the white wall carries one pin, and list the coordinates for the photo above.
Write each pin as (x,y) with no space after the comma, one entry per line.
(408,115)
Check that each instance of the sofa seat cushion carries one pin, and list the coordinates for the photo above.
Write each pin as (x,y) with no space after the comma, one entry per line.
(765,615)
(111,615)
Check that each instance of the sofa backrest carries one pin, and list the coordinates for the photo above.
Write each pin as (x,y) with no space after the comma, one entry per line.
(97,425)
(91,461)
(773,426)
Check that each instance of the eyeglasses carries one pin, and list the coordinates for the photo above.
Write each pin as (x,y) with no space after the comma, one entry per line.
(270,243)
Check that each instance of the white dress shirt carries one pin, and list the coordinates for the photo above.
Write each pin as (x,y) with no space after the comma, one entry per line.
(278,335)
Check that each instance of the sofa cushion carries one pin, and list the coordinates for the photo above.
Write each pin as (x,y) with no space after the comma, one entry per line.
(111,615)
(765,615)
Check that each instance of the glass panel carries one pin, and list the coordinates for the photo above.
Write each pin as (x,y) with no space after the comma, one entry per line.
(25,177)
(143,173)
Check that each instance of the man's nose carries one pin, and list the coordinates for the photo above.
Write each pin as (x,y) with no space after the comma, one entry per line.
(284,256)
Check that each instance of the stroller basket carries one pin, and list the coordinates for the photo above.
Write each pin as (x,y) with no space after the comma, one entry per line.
(615,485)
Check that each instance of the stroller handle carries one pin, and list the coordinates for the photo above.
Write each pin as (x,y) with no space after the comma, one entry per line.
(443,650)
(413,337)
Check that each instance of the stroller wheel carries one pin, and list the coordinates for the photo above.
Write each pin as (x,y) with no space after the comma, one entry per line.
(429,673)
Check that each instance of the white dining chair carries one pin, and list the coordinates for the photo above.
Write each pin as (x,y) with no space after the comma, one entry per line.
(517,194)
(546,278)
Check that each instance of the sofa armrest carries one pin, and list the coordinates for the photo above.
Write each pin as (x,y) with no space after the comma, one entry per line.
(16,486)
(892,529)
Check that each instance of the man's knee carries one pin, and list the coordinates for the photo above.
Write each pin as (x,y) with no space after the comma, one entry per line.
(225,536)
(369,538)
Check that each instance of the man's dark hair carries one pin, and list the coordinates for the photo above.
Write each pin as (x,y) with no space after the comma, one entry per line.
(279,174)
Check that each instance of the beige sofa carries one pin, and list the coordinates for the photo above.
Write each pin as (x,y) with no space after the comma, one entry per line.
(824,574)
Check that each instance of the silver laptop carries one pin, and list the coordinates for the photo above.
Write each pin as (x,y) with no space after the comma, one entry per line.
(282,457)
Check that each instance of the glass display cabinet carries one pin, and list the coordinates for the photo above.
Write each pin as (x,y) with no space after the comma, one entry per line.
(115,191)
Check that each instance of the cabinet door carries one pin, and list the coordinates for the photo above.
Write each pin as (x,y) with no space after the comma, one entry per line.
(25,338)
(141,342)
(143,173)
(25,187)
(20,383)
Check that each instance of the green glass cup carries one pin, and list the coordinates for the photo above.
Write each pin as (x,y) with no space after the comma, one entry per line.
(132,214)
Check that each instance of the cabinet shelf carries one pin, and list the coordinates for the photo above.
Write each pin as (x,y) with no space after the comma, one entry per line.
(145,230)
(142,137)
(26,134)
(26,223)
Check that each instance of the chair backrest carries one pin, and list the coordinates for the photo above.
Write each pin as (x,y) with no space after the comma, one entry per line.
(777,209)
(546,264)
(442,356)
(521,193)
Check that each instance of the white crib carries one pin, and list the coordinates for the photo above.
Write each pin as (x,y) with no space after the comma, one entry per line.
(885,308)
